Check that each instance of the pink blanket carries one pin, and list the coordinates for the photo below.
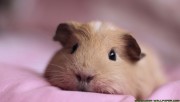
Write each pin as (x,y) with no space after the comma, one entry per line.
(18,84)
(23,85)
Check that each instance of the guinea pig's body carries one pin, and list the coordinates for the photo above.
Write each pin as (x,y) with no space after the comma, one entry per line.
(99,57)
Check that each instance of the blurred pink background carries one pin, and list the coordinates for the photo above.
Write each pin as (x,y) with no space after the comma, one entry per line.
(27,26)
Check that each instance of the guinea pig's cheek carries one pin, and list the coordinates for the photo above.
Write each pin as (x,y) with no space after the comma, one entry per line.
(105,86)
(96,86)
(66,83)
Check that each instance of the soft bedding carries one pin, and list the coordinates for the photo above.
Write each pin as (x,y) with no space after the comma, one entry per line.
(18,84)
(23,85)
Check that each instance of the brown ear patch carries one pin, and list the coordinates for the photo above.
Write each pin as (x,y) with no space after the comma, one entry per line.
(63,32)
(132,49)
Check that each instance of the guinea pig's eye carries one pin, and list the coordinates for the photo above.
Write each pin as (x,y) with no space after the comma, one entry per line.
(112,55)
(74,48)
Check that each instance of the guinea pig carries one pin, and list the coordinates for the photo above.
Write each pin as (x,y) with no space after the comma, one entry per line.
(100,57)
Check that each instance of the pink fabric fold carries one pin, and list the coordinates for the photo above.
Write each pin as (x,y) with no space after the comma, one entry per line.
(18,84)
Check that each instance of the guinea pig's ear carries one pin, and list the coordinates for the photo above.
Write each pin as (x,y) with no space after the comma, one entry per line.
(132,49)
(63,32)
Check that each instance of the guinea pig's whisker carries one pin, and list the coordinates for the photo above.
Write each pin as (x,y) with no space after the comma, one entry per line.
(73,63)
(53,76)
(66,58)
(56,65)
(55,72)
(58,77)
(70,60)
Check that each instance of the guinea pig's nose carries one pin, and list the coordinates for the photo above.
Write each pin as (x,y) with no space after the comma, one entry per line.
(86,78)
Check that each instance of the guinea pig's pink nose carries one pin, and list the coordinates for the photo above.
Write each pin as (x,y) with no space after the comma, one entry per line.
(85,78)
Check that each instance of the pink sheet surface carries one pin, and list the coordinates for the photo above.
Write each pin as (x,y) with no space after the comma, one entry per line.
(23,85)
(18,84)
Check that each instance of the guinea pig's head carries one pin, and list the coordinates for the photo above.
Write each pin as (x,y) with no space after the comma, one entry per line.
(96,57)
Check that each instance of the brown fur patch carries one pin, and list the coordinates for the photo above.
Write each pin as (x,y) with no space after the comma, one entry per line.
(132,48)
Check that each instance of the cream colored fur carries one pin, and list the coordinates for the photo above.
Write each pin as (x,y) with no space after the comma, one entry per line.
(95,40)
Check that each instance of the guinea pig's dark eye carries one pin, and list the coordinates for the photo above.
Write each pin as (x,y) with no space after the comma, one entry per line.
(74,48)
(112,55)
